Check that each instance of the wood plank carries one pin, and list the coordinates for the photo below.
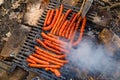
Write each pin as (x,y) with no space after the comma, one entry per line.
(110,40)
(12,46)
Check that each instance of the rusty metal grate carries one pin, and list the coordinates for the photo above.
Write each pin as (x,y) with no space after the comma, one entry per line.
(28,47)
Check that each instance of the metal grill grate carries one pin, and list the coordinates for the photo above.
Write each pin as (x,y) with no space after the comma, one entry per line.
(28,46)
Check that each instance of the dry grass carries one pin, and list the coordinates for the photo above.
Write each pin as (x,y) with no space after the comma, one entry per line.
(1,2)
(34,11)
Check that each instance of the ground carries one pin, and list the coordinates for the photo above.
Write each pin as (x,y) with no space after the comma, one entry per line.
(17,17)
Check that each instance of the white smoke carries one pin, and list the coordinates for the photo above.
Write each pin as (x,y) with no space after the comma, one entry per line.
(92,57)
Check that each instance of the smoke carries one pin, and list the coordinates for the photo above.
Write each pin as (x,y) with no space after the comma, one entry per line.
(92,57)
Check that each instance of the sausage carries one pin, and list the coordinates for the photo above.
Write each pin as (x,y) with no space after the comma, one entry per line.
(46,59)
(76,28)
(30,61)
(71,31)
(63,27)
(68,31)
(52,39)
(50,17)
(43,66)
(51,58)
(56,44)
(81,32)
(51,35)
(72,17)
(71,24)
(47,16)
(55,47)
(37,60)
(55,71)
(53,22)
(64,31)
(49,53)
(44,45)
(58,25)
(59,15)
(64,19)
